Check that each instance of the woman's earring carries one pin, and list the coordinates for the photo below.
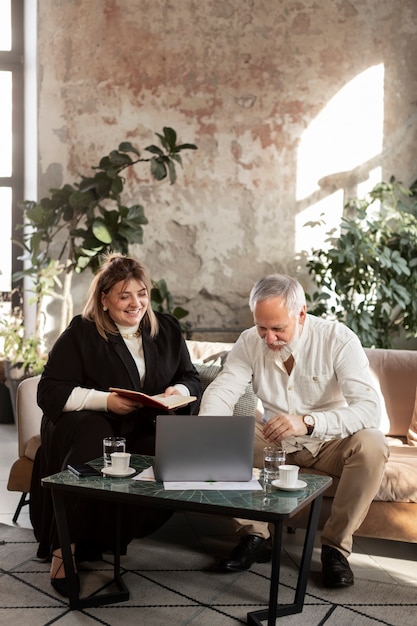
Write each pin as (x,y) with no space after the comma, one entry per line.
(104,308)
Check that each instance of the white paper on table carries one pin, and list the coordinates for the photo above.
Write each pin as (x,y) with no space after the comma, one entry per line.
(147,474)
(250,485)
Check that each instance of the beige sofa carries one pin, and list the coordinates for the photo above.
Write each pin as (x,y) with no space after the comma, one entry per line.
(393,513)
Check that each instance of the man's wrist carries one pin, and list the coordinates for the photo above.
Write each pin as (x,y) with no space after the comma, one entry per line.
(310,424)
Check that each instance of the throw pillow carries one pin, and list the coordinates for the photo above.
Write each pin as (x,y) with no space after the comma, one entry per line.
(207,373)
(247,403)
(412,429)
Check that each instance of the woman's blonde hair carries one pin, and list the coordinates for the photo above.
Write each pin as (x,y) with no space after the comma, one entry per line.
(114,269)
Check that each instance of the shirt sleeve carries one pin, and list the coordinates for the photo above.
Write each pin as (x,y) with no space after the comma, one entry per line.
(81,399)
(230,384)
(183,389)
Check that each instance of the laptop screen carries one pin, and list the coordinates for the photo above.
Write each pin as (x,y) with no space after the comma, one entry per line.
(204,448)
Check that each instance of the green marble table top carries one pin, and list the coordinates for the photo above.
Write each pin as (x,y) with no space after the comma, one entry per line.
(266,503)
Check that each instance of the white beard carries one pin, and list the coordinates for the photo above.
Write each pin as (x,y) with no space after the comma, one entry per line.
(286,350)
(284,353)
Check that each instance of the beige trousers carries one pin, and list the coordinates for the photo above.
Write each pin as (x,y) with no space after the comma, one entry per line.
(358,461)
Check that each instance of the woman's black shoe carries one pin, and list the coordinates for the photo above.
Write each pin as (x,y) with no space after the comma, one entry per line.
(61,585)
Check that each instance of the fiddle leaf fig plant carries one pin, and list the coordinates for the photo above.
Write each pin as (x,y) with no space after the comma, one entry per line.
(163,301)
(367,277)
(72,228)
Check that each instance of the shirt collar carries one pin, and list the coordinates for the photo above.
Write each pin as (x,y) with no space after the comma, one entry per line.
(302,338)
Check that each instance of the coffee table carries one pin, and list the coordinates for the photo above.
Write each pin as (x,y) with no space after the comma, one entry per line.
(269,505)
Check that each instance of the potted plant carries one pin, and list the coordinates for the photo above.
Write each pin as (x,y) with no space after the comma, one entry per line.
(163,301)
(367,276)
(67,232)
(22,356)
(86,220)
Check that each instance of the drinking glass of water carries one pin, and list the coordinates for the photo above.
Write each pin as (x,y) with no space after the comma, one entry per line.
(274,456)
(112,444)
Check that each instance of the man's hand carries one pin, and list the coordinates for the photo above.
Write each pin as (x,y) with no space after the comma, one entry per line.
(282,426)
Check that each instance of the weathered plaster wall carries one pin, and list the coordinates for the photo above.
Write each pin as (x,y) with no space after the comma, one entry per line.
(244,80)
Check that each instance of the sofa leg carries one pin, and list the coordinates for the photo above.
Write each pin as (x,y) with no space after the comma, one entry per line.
(22,502)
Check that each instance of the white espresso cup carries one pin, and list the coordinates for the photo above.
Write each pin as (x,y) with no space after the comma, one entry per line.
(112,444)
(288,475)
(120,462)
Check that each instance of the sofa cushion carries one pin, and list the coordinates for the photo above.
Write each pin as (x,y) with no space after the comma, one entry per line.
(20,475)
(204,351)
(399,481)
(207,373)
(412,429)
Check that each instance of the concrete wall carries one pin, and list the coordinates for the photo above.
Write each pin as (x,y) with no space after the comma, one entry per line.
(294,106)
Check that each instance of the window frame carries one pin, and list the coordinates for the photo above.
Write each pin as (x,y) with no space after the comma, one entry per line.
(13,61)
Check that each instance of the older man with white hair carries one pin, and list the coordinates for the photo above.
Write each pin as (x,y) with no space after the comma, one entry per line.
(320,404)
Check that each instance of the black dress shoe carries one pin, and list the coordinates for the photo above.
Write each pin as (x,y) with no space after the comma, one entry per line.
(250,549)
(336,570)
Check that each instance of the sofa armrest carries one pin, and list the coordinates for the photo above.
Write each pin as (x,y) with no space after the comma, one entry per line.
(395,372)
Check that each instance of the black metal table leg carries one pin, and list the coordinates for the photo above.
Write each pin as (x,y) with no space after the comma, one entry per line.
(312,526)
(278,610)
(75,601)
(65,543)
(275,569)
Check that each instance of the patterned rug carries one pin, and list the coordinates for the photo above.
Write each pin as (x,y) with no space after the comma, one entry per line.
(168,575)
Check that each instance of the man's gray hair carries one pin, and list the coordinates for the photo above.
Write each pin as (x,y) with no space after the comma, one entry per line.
(275,285)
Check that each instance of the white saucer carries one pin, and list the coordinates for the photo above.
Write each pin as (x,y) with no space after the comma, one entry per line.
(300,485)
(110,471)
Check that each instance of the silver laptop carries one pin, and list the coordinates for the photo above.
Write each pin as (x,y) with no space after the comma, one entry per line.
(204,448)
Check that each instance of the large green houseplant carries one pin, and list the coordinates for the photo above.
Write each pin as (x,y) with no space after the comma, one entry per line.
(367,276)
(72,228)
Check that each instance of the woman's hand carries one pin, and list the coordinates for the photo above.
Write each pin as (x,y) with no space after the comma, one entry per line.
(171,391)
(121,405)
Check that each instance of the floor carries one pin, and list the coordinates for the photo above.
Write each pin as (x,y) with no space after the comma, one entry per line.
(372,559)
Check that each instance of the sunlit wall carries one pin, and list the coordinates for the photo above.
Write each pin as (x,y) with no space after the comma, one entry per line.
(294,107)
(335,156)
